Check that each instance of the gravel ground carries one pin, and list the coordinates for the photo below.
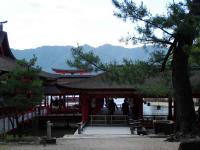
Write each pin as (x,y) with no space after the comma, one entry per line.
(101,143)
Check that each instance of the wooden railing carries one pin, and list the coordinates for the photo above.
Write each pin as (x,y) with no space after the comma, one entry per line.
(155,117)
(108,119)
(8,123)
(147,120)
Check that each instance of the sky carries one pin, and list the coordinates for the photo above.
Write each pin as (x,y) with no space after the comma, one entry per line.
(35,23)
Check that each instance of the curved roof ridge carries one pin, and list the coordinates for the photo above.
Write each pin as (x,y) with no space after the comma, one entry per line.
(4,45)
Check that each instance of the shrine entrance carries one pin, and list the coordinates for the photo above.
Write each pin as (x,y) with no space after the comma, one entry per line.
(96,109)
(98,118)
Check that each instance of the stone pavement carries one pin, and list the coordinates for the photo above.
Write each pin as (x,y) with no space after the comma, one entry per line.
(102,138)
(106,130)
(102,143)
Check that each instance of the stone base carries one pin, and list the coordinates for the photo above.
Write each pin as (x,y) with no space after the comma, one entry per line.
(51,141)
(48,141)
(190,145)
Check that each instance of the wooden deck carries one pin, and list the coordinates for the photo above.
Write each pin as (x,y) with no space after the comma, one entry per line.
(64,115)
(61,118)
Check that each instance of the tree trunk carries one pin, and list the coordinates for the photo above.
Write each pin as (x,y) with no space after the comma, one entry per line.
(17,124)
(186,117)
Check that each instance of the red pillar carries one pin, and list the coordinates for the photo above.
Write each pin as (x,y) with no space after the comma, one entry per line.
(84,108)
(137,107)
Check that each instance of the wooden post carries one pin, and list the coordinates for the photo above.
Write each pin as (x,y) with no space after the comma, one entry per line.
(174,117)
(65,108)
(130,100)
(170,108)
(60,104)
(84,108)
(140,101)
(51,104)
(137,107)
(48,107)
(45,101)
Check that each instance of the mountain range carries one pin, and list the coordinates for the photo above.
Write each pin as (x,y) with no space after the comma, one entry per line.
(49,57)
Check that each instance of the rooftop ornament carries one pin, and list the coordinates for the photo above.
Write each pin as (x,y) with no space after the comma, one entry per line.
(1,25)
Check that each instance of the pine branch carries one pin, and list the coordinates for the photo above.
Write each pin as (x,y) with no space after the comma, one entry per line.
(155,25)
(130,11)
(152,40)
(92,63)
(168,54)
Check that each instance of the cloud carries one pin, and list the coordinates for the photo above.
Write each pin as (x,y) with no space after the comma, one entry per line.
(33,23)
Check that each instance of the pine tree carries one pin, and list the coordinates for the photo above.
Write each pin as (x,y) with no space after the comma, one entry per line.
(21,89)
(180,28)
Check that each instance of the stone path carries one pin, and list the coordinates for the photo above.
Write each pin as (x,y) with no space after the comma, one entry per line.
(102,138)
(101,142)
(106,130)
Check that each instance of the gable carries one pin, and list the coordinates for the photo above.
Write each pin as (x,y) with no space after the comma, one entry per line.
(4,46)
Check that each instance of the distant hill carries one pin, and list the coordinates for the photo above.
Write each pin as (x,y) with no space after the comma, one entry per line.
(56,56)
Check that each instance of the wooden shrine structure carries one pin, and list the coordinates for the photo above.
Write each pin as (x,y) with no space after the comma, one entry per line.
(73,94)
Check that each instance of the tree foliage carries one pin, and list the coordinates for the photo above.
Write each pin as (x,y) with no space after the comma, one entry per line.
(179,21)
(195,54)
(21,88)
(180,29)
(144,75)
(88,61)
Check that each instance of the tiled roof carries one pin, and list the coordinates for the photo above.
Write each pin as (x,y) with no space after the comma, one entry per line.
(7,64)
(49,76)
(100,82)
(97,82)
(66,79)
(51,90)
